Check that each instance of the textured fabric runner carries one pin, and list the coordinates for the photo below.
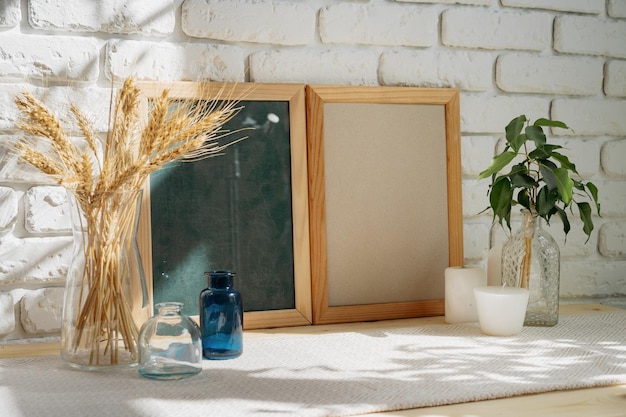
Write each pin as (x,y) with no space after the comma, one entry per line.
(337,374)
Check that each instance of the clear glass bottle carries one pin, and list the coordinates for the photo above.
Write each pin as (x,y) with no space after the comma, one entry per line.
(169,344)
(531,260)
(221,317)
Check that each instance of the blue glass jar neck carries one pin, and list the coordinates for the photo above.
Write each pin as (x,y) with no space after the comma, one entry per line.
(220,280)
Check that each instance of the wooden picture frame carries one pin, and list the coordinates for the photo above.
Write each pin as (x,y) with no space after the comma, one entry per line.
(373,170)
(292,96)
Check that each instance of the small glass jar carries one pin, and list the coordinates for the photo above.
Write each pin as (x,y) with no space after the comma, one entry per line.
(169,344)
(221,317)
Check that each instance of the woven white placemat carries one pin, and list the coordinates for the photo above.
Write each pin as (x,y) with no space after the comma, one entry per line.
(337,374)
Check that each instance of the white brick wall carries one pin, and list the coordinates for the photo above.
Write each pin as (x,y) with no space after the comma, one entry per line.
(592,116)
(580,6)
(425,68)
(41,311)
(190,62)
(8,208)
(34,260)
(613,239)
(280,23)
(47,210)
(525,73)
(472,2)
(615,78)
(365,24)
(613,156)
(585,154)
(476,154)
(487,29)
(592,277)
(153,18)
(50,58)
(613,197)
(617,8)
(564,59)
(10,15)
(315,66)
(590,36)
(488,113)
(93,101)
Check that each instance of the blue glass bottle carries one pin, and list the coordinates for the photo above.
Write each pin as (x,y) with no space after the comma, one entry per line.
(221,317)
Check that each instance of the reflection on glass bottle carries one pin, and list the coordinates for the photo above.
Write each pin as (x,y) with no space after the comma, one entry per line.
(169,344)
(221,317)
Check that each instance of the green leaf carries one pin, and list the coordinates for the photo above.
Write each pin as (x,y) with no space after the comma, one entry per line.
(593,190)
(520,168)
(523,180)
(517,169)
(539,153)
(500,198)
(513,130)
(585,214)
(524,199)
(547,163)
(515,126)
(563,215)
(543,152)
(497,163)
(518,141)
(550,148)
(579,185)
(535,133)
(548,175)
(564,161)
(550,123)
(546,200)
(558,179)
(564,185)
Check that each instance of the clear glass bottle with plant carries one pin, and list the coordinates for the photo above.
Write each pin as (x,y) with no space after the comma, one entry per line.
(544,182)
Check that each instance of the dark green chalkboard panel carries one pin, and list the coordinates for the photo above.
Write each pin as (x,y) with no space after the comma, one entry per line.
(246,210)
(229,212)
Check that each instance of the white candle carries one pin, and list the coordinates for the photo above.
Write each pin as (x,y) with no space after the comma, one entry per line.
(494,265)
(501,310)
(460,305)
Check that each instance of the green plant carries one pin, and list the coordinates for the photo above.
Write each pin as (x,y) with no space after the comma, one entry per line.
(542,181)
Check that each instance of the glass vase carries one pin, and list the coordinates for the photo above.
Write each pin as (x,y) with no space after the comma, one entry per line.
(221,317)
(169,344)
(531,260)
(105,292)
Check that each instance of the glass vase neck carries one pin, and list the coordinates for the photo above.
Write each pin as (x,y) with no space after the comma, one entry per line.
(530,222)
(529,213)
(169,308)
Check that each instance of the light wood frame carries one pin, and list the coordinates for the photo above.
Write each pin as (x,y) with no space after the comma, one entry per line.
(318,97)
(295,96)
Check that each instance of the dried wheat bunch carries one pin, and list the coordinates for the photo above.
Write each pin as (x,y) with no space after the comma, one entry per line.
(134,149)
(174,131)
